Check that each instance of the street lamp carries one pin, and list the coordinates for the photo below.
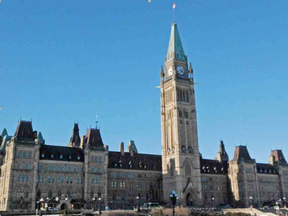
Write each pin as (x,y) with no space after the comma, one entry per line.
(212,199)
(251,200)
(173,198)
(99,199)
(284,202)
(138,209)
(94,203)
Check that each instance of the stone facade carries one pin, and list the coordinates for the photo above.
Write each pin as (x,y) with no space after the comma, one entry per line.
(77,174)
(86,170)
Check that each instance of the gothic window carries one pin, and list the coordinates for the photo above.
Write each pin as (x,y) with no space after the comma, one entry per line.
(172,168)
(26,194)
(18,191)
(181,95)
(187,96)
(180,113)
(187,170)
(185,113)
(18,177)
(27,178)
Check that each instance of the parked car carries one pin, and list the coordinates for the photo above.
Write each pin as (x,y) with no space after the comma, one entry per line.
(147,207)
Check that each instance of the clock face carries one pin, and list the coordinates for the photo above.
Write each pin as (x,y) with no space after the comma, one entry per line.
(180,70)
(170,71)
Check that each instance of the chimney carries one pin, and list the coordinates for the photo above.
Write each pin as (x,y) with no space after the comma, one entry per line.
(122,148)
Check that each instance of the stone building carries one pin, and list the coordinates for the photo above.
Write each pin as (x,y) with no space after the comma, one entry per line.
(86,170)
(80,173)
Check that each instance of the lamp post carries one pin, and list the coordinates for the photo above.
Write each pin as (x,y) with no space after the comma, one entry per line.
(99,199)
(66,207)
(251,201)
(94,203)
(138,209)
(173,198)
(212,199)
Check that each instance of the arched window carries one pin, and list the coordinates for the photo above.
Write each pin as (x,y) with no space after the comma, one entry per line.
(187,170)
(171,169)
(26,194)
(18,191)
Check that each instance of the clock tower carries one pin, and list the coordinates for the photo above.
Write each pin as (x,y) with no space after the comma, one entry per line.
(180,151)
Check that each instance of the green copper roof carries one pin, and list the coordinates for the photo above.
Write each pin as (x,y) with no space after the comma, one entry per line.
(40,137)
(175,49)
(4,132)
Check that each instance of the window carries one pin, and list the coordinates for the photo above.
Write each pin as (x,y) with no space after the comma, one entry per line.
(29,154)
(78,157)
(113,184)
(48,179)
(23,178)
(58,179)
(122,175)
(122,184)
(113,175)
(67,180)
(131,175)
(20,154)
(18,178)
(52,156)
(139,185)
(43,155)
(18,192)
(25,154)
(99,170)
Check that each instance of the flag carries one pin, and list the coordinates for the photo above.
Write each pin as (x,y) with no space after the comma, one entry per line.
(174,6)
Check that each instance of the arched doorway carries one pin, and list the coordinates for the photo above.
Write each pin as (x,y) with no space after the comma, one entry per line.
(189,200)
(64,206)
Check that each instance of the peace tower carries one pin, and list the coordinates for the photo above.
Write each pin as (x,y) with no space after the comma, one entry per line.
(180,151)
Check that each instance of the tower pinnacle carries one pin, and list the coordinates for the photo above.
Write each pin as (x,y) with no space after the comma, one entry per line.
(175,48)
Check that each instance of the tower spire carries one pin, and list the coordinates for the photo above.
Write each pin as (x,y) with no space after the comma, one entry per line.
(175,48)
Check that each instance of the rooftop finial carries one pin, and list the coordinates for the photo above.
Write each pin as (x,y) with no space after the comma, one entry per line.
(96,121)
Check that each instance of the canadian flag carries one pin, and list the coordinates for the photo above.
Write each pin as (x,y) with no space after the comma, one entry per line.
(174,6)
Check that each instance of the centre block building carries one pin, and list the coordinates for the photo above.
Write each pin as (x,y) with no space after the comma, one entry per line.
(87,170)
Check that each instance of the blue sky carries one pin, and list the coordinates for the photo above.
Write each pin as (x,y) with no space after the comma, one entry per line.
(65,61)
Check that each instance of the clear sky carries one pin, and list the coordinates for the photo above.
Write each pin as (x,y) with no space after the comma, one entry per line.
(66,60)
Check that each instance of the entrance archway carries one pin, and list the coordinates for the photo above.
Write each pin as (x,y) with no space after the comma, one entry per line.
(64,206)
(189,200)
